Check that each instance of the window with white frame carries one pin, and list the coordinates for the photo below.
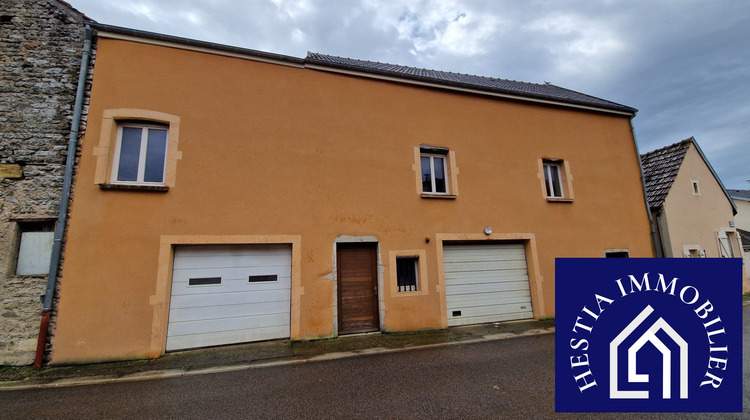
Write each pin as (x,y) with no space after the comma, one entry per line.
(34,248)
(407,268)
(553,178)
(434,173)
(140,153)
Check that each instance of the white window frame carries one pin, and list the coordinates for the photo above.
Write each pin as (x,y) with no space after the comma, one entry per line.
(432,157)
(145,128)
(547,165)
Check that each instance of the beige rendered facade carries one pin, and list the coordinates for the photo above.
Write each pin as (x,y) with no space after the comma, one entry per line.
(274,151)
(695,222)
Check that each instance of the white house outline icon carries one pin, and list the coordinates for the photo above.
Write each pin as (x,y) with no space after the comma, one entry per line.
(650,337)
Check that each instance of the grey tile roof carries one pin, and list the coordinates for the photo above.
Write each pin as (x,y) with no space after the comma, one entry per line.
(547,92)
(660,168)
(740,194)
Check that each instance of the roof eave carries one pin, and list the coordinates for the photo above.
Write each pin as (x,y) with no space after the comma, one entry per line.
(716,176)
(439,83)
(118,32)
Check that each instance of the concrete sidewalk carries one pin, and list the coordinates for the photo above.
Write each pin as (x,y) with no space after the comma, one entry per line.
(270,353)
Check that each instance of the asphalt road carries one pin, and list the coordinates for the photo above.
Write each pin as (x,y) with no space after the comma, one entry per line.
(511,379)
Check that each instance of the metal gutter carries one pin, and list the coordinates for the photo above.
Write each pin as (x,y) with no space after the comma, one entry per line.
(62,213)
(118,32)
(645,195)
(661,234)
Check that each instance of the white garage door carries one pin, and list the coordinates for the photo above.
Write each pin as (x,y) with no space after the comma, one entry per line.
(229,294)
(486,283)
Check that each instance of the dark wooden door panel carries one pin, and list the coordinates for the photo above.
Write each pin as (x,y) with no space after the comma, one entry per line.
(357,288)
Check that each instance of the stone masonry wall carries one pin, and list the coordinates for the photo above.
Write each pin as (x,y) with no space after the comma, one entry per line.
(40,54)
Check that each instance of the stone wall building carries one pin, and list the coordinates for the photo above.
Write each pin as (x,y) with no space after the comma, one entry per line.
(41,44)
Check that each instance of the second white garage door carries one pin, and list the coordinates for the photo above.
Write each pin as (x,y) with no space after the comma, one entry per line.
(229,294)
(486,283)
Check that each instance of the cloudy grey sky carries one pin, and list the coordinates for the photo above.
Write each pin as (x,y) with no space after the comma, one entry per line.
(685,64)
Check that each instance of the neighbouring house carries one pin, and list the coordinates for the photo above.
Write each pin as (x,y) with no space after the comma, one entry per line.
(692,211)
(227,195)
(742,223)
(41,45)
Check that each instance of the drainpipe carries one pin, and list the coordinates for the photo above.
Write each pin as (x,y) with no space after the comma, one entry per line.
(645,194)
(62,213)
(661,235)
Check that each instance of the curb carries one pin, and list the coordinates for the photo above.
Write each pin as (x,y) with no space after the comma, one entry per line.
(176,373)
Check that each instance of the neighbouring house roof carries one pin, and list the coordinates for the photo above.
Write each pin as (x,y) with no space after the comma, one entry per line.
(743,195)
(745,237)
(546,92)
(660,167)
(543,93)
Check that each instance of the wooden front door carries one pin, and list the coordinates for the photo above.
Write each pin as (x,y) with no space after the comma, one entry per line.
(357,288)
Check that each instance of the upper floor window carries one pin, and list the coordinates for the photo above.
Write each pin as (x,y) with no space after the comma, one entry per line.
(140,153)
(696,187)
(434,174)
(556,180)
(137,150)
(552,179)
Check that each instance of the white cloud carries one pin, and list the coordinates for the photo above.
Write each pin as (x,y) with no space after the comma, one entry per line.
(578,45)
(294,9)
(437,27)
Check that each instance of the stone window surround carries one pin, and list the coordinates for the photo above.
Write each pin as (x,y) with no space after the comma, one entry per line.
(423,284)
(566,181)
(451,167)
(104,152)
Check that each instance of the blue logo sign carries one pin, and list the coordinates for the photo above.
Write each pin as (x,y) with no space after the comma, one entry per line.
(648,335)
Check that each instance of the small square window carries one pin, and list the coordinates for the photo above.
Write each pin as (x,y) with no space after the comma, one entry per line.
(140,154)
(35,248)
(406,273)
(553,179)
(616,254)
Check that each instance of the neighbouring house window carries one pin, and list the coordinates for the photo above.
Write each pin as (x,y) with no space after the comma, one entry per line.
(726,240)
(616,253)
(434,174)
(406,273)
(140,154)
(34,248)
(696,187)
(553,179)
(693,251)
